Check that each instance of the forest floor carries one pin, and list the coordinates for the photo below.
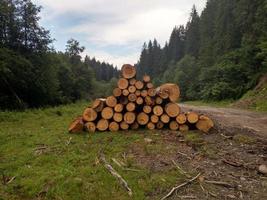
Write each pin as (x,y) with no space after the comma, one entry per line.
(40,160)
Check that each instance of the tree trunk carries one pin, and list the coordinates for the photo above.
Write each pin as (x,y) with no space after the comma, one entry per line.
(170,90)
(114,126)
(135,126)
(128,71)
(159,125)
(124,125)
(165,118)
(150,126)
(132,89)
(137,93)
(76,125)
(158,110)
(102,125)
(111,101)
(204,124)
(123,83)
(181,118)
(90,127)
(159,100)
(142,118)
(151,92)
(89,115)
(144,93)
(174,126)
(172,109)
(192,117)
(132,81)
(118,107)
(139,85)
(130,107)
(117,92)
(107,113)
(146,78)
(147,109)
(129,117)
(139,100)
(154,119)
(117,117)
(183,128)
(132,97)
(125,92)
(98,104)
(149,85)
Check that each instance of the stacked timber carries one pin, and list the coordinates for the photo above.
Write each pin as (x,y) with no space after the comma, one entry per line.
(138,104)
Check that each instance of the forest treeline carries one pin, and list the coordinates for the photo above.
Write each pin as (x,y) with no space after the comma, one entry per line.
(219,54)
(33,74)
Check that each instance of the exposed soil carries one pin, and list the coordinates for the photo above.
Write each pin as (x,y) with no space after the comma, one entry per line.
(230,159)
(234,121)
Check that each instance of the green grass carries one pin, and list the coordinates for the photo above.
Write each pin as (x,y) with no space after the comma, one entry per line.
(225,103)
(67,167)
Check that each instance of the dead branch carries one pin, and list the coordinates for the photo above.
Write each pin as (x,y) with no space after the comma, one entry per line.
(180,169)
(115,174)
(235,164)
(185,155)
(179,186)
(224,184)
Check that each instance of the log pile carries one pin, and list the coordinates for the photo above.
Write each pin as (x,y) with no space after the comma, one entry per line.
(138,104)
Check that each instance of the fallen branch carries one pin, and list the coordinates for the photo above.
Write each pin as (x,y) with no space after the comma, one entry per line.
(179,186)
(185,155)
(224,184)
(235,164)
(115,174)
(180,169)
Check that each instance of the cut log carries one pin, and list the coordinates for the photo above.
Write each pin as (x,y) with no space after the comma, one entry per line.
(149,85)
(130,107)
(124,125)
(90,127)
(98,104)
(149,101)
(102,125)
(107,113)
(192,117)
(154,119)
(89,115)
(129,117)
(139,85)
(158,110)
(117,92)
(117,117)
(174,126)
(128,71)
(132,97)
(165,118)
(172,90)
(118,107)
(134,126)
(114,126)
(146,78)
(147,109)
(151,92)
(159,125)
(123,100)
(181,118)
(172,109)
(125,92)
(123,83)
(159,100)
(132,89)
(183,128)
(144,93)
(142,118)
(137,93)
(150,126)
(111,101)
(76,125)
(204,123)
(139,100)
(132,81)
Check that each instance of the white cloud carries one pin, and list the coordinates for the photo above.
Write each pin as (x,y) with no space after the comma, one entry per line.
(119,23)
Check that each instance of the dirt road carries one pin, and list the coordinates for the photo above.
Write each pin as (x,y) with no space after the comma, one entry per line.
(234,121)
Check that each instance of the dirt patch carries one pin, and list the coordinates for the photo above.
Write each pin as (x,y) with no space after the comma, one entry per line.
(221,158)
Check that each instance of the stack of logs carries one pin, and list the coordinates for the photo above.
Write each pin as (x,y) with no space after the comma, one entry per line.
(136,104)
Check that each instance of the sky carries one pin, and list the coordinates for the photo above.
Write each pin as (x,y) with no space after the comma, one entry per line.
(114,31)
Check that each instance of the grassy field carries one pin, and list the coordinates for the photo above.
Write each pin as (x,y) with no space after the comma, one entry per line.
(40,160)
(49,163)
